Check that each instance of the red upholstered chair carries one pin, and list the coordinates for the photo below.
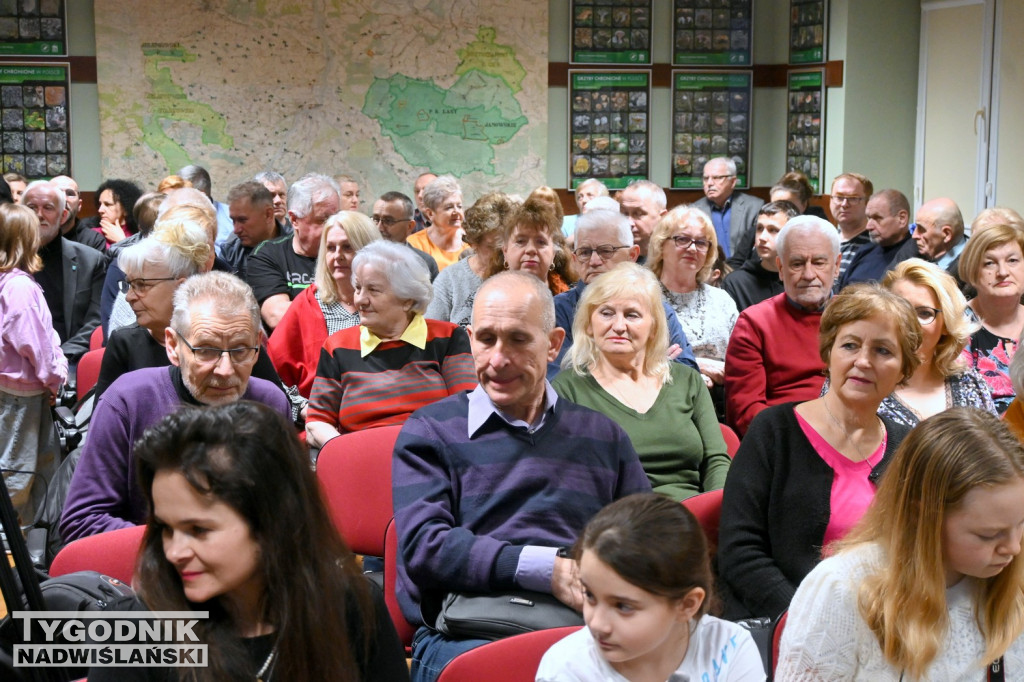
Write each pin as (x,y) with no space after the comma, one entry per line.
(89,371)
(96,338)
(112,553)
(513,659)
(777,640)
(405,629)
(732,441)
(707,507)
(355,473)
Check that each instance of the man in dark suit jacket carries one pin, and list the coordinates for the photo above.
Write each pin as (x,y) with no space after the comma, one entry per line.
(734,214)
(72,274)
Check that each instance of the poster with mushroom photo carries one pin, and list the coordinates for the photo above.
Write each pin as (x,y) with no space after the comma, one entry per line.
(34,127)
(808,31)
(710,118)
(712,32)
(805,131)
(609,123)
(33,28)
(611,31)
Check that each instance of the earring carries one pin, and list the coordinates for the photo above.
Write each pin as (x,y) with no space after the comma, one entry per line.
(551,267)
(506,265)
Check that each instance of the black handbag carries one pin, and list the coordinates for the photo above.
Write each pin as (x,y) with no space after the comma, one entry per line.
(467,615)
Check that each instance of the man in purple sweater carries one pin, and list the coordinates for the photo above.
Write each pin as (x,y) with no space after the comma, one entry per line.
(213,342)
(489,484)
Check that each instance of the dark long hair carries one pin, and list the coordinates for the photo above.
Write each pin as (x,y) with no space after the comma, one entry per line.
(247,456)
(126,193)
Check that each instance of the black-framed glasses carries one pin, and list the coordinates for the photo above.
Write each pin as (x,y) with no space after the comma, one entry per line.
(208,355)
(926,314)
(683,242)
(603,252)
(140,285)
(387,221)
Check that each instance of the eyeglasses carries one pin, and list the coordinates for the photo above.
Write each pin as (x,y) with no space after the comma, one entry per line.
(207,355)
(716,178)
(141,286)
(842,199)
(683,243)
(925,314)
(387,221)
(603,252)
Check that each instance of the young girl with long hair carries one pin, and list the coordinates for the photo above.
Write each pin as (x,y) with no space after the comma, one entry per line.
(930,584)
(237,527)
(643,563)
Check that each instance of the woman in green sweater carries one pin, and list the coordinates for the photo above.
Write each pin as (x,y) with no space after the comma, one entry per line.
(619,366)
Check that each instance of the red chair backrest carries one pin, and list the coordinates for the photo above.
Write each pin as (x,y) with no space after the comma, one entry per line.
(89,370)
(112,553)
(96,338)
(732,441)
(777,639)
(355,473)
(513,659)
(405,629)
(707,507)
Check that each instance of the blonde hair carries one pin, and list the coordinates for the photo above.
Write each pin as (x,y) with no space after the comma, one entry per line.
(904,601)
(19,239)
(668,224)
(977,246)
(359,230)
(996,215)
(636,283)
(952,304)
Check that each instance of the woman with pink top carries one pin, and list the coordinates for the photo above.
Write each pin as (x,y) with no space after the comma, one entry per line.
(806,472)
(32,366)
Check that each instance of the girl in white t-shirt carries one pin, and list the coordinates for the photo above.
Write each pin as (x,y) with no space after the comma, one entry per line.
(643,564)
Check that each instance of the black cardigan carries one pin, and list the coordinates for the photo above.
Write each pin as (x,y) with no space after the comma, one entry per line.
(775,510)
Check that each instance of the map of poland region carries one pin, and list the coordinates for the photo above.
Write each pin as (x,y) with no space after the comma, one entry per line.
(466,121)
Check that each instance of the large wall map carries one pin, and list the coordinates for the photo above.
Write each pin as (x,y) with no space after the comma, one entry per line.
(378,89)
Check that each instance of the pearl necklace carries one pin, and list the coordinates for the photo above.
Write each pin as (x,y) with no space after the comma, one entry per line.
(266,665)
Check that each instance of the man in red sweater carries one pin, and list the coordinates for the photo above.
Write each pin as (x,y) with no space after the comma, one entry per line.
(773,352)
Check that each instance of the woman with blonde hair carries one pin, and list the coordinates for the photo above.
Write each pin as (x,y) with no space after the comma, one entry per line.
(993,263)
(618,365)
(682,255)
(943,379)
(325,307)
(929,584)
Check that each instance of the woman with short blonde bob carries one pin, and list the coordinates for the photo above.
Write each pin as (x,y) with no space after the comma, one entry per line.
(930,584)
(943,379)
(618,365)
(682,256)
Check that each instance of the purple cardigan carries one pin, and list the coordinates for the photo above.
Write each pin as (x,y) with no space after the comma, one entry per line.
(103,494)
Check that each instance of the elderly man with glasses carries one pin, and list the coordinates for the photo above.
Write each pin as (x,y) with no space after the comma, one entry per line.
(212,342)
(394,216)
(734,214)
(603,240)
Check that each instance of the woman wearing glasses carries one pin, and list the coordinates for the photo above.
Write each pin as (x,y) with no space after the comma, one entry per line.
(943,379)
(682,256)
(154,268)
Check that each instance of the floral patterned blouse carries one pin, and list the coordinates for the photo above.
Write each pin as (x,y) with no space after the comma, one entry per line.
(990,355)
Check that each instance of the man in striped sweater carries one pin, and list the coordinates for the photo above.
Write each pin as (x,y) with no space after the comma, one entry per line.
(489,484)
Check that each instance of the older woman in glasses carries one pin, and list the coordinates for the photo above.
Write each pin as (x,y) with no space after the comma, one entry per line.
(154,268)
(682,256)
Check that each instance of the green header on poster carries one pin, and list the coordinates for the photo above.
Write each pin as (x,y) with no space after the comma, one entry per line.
(699,81)
(627,57)
(42,48)
(596,81)
(813,56)
(22,74)
(805,80)
(692,182)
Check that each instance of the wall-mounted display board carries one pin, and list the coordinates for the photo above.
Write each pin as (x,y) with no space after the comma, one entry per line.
(609,120)
(712,33)
(611,31)
(710,117)
(805,145)
(808,31)
(33,27)
(34,126)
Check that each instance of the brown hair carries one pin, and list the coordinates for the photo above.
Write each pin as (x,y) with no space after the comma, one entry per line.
(536,213)
(974,253)
(19,239)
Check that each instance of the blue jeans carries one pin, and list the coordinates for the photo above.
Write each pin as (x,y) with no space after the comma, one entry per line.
(432,651)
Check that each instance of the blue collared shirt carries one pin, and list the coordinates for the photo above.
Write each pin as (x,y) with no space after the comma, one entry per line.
(721,218)
(946,259)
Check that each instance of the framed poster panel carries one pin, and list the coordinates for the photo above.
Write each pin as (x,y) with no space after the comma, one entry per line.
(712,33)
(34,127)
(611,31)
(33,27)
(609,120)
(808,31)
(710,118)
(805,129)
